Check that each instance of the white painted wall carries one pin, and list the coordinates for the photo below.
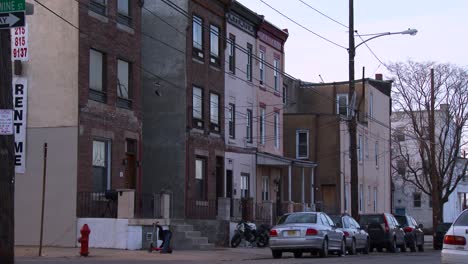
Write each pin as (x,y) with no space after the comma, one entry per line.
(111,233)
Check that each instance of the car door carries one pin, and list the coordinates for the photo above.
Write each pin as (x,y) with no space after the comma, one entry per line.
(329,231)
(335,232)
(360,234)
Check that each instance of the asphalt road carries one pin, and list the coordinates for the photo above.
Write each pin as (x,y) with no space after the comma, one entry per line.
(235,256)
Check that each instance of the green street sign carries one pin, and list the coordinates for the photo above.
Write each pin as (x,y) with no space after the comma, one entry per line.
(12,5)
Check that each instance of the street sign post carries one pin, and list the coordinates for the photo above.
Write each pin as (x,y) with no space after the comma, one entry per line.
(12,13)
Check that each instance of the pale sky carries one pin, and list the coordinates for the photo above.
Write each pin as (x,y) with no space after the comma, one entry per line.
(442,34)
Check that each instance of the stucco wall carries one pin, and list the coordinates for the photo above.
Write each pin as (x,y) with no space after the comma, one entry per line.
(60,193)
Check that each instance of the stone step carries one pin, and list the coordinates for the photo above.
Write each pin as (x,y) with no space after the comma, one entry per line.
(192,234)
(182,228)
(207,246)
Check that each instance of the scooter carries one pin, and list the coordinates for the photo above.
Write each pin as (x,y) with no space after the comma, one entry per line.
(154,242)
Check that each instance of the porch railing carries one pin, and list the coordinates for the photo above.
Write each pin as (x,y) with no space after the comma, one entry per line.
(148,205)
(201,209)
(97,204)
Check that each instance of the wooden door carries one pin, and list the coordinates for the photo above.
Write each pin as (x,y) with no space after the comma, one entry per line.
(330,205)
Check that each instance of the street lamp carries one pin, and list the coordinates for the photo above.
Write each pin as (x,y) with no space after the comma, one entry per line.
(352,120)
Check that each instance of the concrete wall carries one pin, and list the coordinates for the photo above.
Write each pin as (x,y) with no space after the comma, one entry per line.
(111,233)
(52,73)
(60,193)
(164,117)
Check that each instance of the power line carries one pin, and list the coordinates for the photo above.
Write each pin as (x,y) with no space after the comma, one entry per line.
(300,25)
(316,10)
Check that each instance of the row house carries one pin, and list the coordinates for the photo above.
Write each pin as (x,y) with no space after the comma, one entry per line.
(316,129)
(84,102)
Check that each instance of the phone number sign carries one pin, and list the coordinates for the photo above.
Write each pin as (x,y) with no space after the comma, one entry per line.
(19,43)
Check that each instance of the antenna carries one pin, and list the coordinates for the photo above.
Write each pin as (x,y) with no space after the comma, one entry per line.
(321,78)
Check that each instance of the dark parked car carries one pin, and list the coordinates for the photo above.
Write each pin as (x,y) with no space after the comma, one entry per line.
(439,234)
(384,232)
(414,236)
(357,239)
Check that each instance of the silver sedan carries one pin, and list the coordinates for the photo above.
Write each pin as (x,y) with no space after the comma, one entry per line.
(312,232)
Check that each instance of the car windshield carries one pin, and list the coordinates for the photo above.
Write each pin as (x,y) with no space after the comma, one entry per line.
(371,219)
(336,219)
(298,218)
(443,227)
(462,220)
(402,220)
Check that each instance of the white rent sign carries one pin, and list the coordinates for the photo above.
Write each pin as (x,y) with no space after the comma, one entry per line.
(20,103)
(19,43)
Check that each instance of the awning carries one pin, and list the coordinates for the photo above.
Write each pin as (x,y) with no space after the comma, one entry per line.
(267,159)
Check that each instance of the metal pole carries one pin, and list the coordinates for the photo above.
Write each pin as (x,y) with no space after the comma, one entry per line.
(289,183)
(352,122)
(7,156)
(44,173)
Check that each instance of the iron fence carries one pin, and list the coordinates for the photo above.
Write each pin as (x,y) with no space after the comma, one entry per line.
(97,204)
(201,209)
(148,205)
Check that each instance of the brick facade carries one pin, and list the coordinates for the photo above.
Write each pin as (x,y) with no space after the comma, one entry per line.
(105,120)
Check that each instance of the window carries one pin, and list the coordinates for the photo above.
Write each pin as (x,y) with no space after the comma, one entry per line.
(197,37)
(232,121)
(285,95)
(98,6)
(101,162)
(302,144)
(276,73)
(96,76)
(361,196)
(124,17)
(371,105)
(197,113)
(368,195)
(401,167)
(360,148)
(367,147)
(377,154)
(265,188)
(342,104)
(249,126)
(277,136)
(249,62)
(200,176)
(375,199)
(262,126)
(262,67)
(400,135)
(214,44)
(123,84)
(244,185)
(214,112)
(232,53)
(417,200)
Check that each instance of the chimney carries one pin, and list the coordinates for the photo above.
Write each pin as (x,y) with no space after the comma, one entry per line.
(379,77)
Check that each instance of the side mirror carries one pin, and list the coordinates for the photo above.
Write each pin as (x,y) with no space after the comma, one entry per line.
(421,226)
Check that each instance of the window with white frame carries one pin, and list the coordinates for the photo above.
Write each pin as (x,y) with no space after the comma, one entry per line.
(232,53)
(262,125)
(101,165)
(262,66)
(214,44)
(249,62)
(249,127)
(265,188)
(197,32)
(377,154)
(342,104)
(214,112)
(245,185)
(360,150)
(197,107)
(277,135)
(276,65)
(232,121)
(302,144)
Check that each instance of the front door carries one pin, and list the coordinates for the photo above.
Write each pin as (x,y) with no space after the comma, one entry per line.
(229,183)
(219,177)
(130,164)
(329,199)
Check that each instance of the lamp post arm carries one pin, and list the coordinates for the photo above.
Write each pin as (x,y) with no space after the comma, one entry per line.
(381,35)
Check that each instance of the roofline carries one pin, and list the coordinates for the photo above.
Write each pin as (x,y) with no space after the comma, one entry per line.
(343,82)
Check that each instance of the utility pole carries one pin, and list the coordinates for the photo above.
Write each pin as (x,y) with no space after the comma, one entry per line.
(7,152)
(434,178)
(352,121)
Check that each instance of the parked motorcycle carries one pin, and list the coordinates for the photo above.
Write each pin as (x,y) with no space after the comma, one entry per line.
(249,232)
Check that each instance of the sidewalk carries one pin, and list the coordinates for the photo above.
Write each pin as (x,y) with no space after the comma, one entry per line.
(219,254)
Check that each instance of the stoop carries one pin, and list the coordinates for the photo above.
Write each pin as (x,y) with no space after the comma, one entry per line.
(185,237)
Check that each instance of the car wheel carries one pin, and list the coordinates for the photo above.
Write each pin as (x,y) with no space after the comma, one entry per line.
(352,250)
(403,247)
(236,239)
(298,254)
(342,251)
(393,247)
(277,254)
(421,247)
(366,249)
(324,251)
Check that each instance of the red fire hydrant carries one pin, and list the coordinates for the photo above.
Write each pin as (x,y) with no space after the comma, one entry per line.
(84,240)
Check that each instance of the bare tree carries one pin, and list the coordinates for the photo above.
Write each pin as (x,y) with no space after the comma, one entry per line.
(411,142)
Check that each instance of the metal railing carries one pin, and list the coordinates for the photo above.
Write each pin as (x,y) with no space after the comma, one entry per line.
(97,205)
(148,205)
(201,209)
